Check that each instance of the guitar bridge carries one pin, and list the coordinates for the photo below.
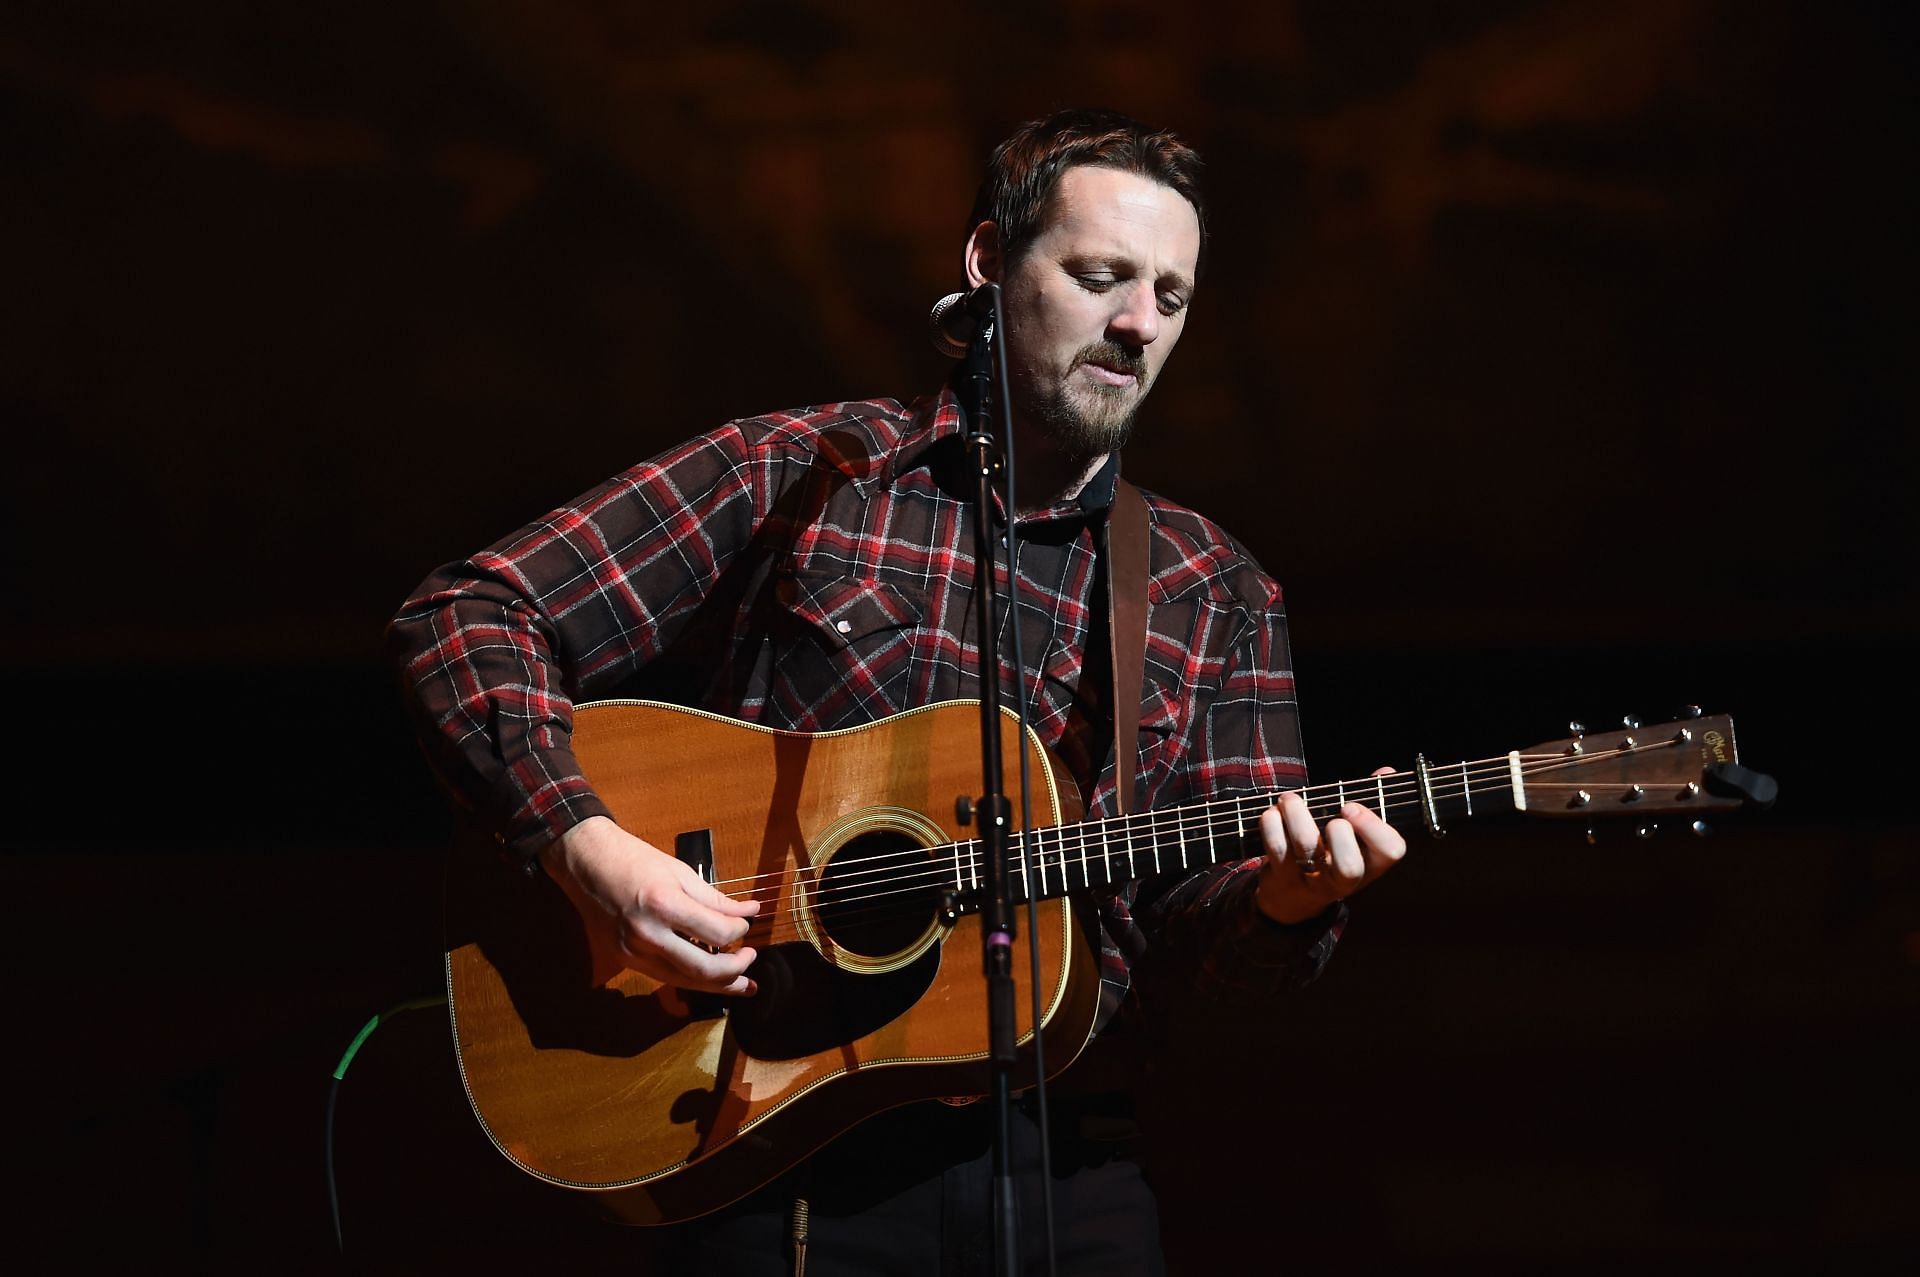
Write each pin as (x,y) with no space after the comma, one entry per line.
(694,849)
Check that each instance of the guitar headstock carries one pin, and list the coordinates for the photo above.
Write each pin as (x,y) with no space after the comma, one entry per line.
(1687,766)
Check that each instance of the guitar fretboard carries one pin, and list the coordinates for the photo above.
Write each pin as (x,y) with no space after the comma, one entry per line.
(1103,852)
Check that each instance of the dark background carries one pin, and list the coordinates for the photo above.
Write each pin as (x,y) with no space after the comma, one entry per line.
(1557,356)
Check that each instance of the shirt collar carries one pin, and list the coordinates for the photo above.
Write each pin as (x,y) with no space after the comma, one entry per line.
(938,442)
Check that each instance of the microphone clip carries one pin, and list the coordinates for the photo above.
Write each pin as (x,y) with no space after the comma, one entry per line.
(959,318)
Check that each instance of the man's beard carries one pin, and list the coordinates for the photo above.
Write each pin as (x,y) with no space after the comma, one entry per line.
(1098,419)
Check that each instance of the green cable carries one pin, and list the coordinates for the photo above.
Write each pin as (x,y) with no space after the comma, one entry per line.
(333,1093)
(415,1004)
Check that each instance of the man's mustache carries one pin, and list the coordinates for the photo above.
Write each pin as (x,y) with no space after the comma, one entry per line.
(1111,354)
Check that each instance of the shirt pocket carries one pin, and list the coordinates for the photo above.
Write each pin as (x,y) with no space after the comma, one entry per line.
(846,649)
(1176,665)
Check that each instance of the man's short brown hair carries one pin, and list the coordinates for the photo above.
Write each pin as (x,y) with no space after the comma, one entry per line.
(1025,170)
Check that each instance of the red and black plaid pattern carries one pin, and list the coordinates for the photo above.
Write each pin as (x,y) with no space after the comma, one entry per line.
(813,570)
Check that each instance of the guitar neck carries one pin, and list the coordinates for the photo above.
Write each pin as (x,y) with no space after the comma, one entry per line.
(1627,774)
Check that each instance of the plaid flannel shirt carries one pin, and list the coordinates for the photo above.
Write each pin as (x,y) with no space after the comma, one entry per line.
(812,570)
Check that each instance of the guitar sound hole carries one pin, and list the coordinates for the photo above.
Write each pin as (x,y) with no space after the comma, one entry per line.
(878,894)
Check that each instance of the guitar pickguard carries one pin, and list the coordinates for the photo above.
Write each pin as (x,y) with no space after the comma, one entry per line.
(807,1005)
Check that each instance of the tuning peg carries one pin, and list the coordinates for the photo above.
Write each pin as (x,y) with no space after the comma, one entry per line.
(1646,831)
(1577,728)
(1632,720)
(1593,836)
(1691,711)
(1700,828)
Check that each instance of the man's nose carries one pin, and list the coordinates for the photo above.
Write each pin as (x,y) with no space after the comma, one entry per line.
(1137,321)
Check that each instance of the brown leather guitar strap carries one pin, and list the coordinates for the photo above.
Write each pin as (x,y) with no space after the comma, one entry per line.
(1127,629)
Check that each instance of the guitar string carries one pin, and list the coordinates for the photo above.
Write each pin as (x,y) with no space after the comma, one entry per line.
(1080,847)
(884,865)
(1396,786)
(1094,869)
(851,910)
(1199,817)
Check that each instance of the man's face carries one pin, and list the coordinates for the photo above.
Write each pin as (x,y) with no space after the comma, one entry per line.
(1096,304)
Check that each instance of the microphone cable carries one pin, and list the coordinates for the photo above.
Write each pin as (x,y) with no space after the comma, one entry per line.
(333,1095)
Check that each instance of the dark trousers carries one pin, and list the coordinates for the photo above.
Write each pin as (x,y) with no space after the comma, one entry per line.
(911,1192)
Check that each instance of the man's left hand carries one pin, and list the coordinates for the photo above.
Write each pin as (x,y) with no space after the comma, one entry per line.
(1309,867)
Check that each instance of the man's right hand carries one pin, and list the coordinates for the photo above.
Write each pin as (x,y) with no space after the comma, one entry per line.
(653,909)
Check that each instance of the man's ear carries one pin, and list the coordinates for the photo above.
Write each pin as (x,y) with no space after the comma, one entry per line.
(983,255)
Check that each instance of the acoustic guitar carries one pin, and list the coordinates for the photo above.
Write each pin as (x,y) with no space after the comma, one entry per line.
(664,1105)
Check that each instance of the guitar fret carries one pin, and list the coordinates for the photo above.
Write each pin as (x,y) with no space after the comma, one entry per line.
(1466,787)
(1026,888)
(1380,786)
(1040,859)
(1106,852)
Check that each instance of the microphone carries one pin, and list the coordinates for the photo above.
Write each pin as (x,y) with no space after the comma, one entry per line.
(956,317)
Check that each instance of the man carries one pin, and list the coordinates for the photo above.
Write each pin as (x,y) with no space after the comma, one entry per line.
(812,570)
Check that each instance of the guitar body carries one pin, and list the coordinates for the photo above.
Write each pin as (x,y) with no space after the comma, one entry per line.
(666,1105)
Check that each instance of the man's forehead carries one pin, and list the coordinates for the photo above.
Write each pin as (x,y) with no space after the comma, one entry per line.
(1098,210)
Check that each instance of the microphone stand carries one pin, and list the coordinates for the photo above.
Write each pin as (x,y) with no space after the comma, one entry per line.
(992,812)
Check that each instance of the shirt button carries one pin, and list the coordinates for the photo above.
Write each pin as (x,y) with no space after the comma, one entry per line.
(845,627)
